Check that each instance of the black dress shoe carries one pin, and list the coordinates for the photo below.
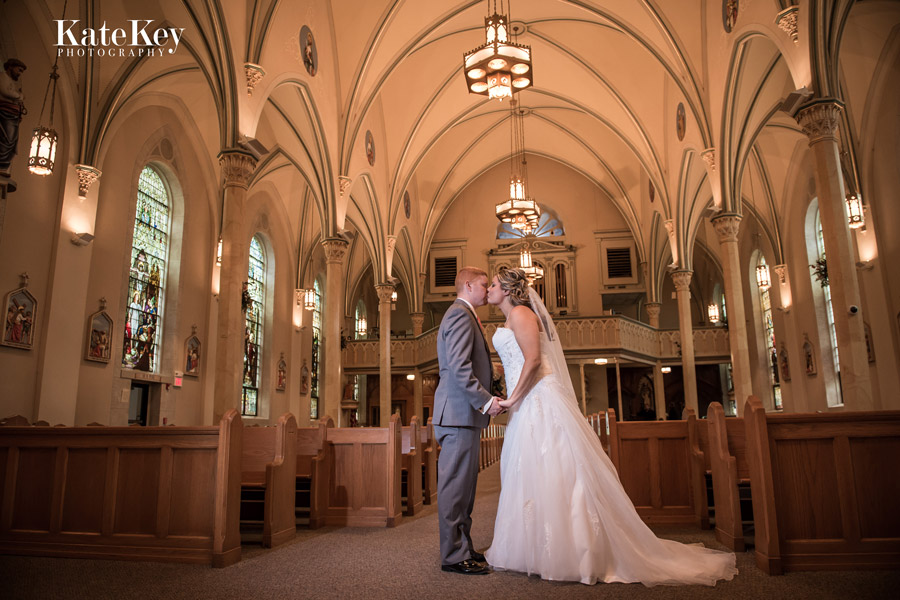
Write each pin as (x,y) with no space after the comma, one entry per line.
(466,567)
(477,556)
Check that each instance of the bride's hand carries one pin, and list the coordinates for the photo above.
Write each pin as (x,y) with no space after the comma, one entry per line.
(506,403)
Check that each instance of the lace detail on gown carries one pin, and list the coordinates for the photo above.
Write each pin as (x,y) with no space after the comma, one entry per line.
(562,512)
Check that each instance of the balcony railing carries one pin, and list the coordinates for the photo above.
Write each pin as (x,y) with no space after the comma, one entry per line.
(602,335)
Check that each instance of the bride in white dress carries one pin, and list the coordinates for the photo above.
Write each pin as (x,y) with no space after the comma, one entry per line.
(562,513)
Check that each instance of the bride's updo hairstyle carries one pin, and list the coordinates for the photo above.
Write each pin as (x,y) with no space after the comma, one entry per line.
(515,282)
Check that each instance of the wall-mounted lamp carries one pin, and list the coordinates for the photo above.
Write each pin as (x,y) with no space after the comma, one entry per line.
(219,253)
(601,361)
(82,239)
(666,370)
(411,377)
(394,300)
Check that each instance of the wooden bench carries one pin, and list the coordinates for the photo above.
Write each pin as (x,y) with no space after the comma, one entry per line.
(14,421)
(728,461)
(428,446)
(411,468)
(363,481)
(269,471)
(698,439)
(137,493)
(491,445)
(825,489)
(310,496)
(654,465)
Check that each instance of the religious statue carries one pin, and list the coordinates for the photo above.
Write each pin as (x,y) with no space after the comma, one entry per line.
(12,108)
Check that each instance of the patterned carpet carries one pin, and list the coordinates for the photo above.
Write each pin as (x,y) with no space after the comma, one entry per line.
(402,562)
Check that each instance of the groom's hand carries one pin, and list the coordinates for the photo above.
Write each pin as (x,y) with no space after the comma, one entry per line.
(495,408)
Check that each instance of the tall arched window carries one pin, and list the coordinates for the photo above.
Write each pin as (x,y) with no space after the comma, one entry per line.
(562,296)
(765,307)
(147,276)
(826,291)
(254,307)
(316,353)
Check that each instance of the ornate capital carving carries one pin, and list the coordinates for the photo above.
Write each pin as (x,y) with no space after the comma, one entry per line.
(344,185)
(254,74)
(781,271)
(384,291)
(418,321)
(653,309)
(237,167)
(709,156)
(682,280)
(335,249)
(87,175)
(821,119)
(727,226)
(391,243)
(787,22)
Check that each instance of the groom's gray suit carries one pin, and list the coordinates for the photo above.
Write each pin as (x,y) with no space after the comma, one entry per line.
(461,395)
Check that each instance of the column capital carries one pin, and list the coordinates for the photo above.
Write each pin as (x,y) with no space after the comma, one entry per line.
(418,321)
(335,249)
(709,156)
(87,175)
(344,185)
(727,225)
(781,271)
(820,119)
(237,167)
(384,291)
(653,309)
(682,280)
(254,74)
(787,21)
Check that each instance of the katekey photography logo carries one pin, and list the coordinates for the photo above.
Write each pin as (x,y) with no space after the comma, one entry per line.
(138,39)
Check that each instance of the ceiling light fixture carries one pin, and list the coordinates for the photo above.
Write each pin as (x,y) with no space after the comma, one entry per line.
(500,67)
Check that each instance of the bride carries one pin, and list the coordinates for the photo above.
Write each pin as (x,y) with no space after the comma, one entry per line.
(562,513)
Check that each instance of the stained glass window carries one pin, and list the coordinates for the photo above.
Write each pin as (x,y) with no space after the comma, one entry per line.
(829,311)
(548,225)
(765,305)
(316,357)
(253,304)
(562,298)
(147,274)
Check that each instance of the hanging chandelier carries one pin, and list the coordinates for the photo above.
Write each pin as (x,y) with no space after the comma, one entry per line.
(519,209)
(532,271)
(500,67)
(855,216)
(713,313)
(762,276)
(42,155)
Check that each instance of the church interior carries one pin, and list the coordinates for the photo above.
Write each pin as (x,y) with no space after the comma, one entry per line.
(234,215)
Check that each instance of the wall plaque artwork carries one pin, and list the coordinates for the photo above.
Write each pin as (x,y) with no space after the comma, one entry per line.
(308,51)
(407,206)
(370,148)
(281,374)
(304,379)
(784,364)
(192,353)
(809,356)
(99,335)
(729,14)
(680,121)
(21,317)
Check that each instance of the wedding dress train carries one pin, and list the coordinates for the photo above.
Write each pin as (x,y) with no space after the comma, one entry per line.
(562,513)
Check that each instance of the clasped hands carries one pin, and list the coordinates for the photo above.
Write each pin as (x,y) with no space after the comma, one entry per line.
(498,406)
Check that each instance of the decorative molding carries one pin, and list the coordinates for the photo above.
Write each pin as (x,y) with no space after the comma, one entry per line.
(344,184)
(391,243)
(237,167)
(787,21)
(335,249)
(709,156)
(384,291)
(653,309)
(781,271)
(727,226)
(682,280)
(821,119)
(254,74)
(418,321)
(87,175)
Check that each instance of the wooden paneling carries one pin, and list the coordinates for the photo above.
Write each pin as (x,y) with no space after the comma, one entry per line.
(728,460)
(85,488)
(675,488)
(189,513)
(137,491)
(635,471)
(874,463)
(34,489)
(805,479)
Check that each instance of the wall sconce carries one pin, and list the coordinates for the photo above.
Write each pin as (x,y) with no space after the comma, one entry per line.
(82,239)
(713,312)
(394,300)
(665,370)
(411,377)
(219,253)
(601,361)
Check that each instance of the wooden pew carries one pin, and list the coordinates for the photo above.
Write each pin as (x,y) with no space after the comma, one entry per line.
(411,465)
(428,445)
(311,469)
(147,493)
(825,489)
(698,440)
(363,483)
(654,466)
(269,464)
(728,460)
(14,421)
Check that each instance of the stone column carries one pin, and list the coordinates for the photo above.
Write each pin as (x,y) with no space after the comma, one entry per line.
(653,309)
(418,394)
(682,280)
(659,391)
(727,226)
(237,169)
(583,389)
(384,291)
(331,371)
(418,320)
(820,121)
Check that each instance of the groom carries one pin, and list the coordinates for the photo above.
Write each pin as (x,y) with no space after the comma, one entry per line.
(462,408)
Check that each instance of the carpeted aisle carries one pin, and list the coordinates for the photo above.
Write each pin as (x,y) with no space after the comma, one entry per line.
(402,562)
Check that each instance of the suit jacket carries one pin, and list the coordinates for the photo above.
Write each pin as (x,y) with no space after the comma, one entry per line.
(465,368)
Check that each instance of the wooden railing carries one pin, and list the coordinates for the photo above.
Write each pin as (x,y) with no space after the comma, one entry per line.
(612,334)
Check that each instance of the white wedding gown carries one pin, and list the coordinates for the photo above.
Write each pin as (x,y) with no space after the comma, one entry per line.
(562,513)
